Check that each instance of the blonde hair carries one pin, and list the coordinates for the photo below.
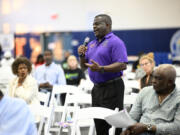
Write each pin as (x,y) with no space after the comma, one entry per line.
(151,54)
(149,57)
(72,57)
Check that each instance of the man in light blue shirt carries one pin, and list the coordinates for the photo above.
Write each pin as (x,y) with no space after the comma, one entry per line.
(49,74)
(15,117)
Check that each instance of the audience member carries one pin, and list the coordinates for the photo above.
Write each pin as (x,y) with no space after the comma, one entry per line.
(157,107)
(7,59)
(49,74)
(105,58)
(64,62)
(136,63)
(24,86)
(73,74)
(147,63)
(15,117)
(39,61)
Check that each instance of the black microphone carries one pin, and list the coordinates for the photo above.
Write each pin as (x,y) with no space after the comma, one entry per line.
(86,41)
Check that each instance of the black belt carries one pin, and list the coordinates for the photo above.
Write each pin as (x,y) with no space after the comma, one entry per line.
(107,82)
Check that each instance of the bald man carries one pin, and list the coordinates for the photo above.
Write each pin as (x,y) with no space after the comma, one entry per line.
(157,107)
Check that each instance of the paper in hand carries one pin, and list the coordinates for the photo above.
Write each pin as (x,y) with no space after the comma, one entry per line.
(120,119)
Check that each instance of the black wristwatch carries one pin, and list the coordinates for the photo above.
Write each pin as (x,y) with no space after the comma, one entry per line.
(102,70)
(149,127)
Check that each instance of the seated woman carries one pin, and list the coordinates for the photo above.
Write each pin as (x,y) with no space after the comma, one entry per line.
(24,86)
(147,63)
(73,74)
(39,61)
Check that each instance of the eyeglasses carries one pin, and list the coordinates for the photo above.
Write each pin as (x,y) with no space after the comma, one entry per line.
(145,64)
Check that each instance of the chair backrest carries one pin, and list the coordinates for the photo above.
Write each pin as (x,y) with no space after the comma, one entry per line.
(92,113)
(43,98)
(130,99)
(76,99)
(62,89)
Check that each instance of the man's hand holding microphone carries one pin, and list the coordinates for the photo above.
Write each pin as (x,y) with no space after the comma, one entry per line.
(82,48)
(94,66)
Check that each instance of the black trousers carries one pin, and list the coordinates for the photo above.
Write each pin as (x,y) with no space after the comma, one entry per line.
(109,95)
(63,97)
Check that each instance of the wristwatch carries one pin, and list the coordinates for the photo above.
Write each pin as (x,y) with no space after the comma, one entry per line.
(149,127)
(102,70)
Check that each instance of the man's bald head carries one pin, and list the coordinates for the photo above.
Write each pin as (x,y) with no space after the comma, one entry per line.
(164,78)
(168,70)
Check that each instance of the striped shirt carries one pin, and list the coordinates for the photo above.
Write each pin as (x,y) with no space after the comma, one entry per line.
(165,116)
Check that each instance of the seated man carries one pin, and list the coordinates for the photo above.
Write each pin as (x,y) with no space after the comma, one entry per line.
(49,74)
(157,107)
(15,117)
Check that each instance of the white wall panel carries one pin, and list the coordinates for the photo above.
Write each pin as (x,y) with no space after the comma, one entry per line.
(75,15)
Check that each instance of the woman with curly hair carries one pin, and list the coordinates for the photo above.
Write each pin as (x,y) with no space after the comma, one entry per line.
(24,86)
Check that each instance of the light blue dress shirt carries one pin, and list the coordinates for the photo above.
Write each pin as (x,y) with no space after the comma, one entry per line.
(53,74)
(16,118)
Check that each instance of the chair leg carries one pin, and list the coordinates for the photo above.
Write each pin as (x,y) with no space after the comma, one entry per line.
(78,130)
(112,131)
(41,126)
(91,130)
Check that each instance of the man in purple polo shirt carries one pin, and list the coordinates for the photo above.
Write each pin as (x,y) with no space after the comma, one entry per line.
(105,58)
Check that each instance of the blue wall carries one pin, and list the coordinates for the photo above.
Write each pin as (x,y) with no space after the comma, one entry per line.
(146,40)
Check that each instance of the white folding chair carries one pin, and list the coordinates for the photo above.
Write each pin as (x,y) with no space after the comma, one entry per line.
(44,110)
(130,99)
(57,90)
(76,99)
(91,113)
(63,89)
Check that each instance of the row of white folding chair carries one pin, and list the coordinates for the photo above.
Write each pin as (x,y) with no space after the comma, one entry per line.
(77,97)
(68,89)
(91,113)
(87,114)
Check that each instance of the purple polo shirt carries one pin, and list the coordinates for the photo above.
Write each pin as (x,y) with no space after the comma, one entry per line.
(110,50)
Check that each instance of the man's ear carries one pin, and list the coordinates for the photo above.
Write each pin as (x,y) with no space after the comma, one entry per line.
(108,25)
(170,82)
